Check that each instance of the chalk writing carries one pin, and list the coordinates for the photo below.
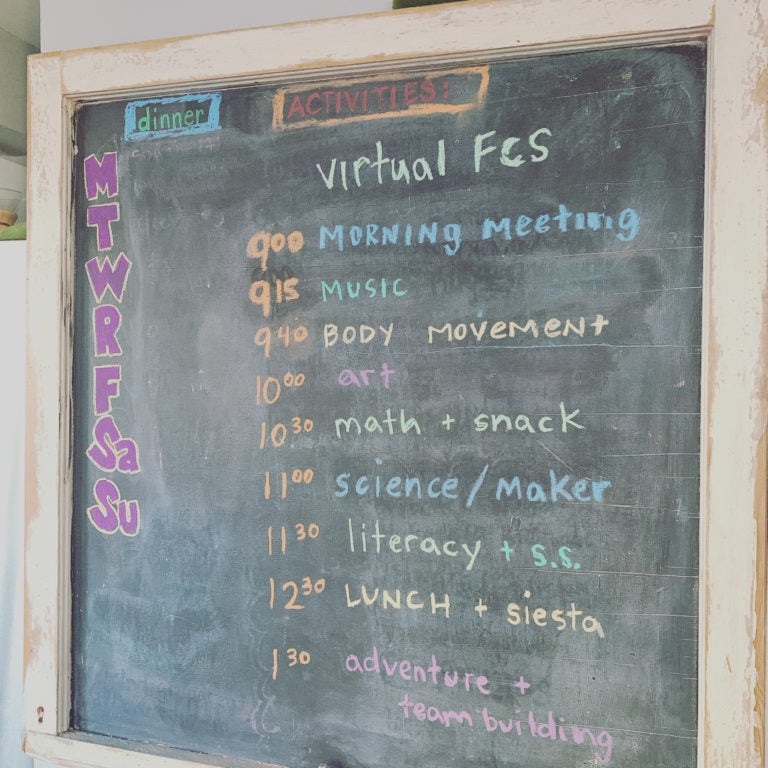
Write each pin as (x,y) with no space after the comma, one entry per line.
(407,365)
(446,91)
(364,541)
(430,672)
(110,450)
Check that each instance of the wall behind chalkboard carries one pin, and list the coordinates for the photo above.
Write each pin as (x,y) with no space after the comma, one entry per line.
(12,274)
(385,375)
(111,22)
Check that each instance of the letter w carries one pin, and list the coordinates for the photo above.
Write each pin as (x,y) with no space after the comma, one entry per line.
(108,275)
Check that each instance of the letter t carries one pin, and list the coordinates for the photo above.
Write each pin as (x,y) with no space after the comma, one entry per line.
(101,217)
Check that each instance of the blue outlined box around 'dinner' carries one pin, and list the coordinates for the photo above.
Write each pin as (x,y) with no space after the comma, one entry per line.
(172,116)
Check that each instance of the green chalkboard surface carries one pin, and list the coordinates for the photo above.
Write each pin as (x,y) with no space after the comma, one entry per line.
(386,415)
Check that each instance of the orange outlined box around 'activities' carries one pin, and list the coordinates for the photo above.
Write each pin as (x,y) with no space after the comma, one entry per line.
(334,102)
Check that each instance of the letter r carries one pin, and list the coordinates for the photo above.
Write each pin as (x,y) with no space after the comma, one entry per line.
(106,323)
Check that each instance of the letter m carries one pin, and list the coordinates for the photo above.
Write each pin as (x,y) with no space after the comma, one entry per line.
(490,227)
(328,235)
(348,424)
(507,488)
(445,330)
(329,290)
(100,175)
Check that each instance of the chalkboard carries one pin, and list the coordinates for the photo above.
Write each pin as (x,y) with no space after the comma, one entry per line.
(386,405)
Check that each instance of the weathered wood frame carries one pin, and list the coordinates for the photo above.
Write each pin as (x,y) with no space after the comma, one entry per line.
(735,388)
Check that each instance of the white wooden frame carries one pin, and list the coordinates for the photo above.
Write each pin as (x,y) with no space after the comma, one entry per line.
(735,391)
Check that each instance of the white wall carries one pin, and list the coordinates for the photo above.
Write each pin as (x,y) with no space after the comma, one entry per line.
(12,289)
(87,23)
